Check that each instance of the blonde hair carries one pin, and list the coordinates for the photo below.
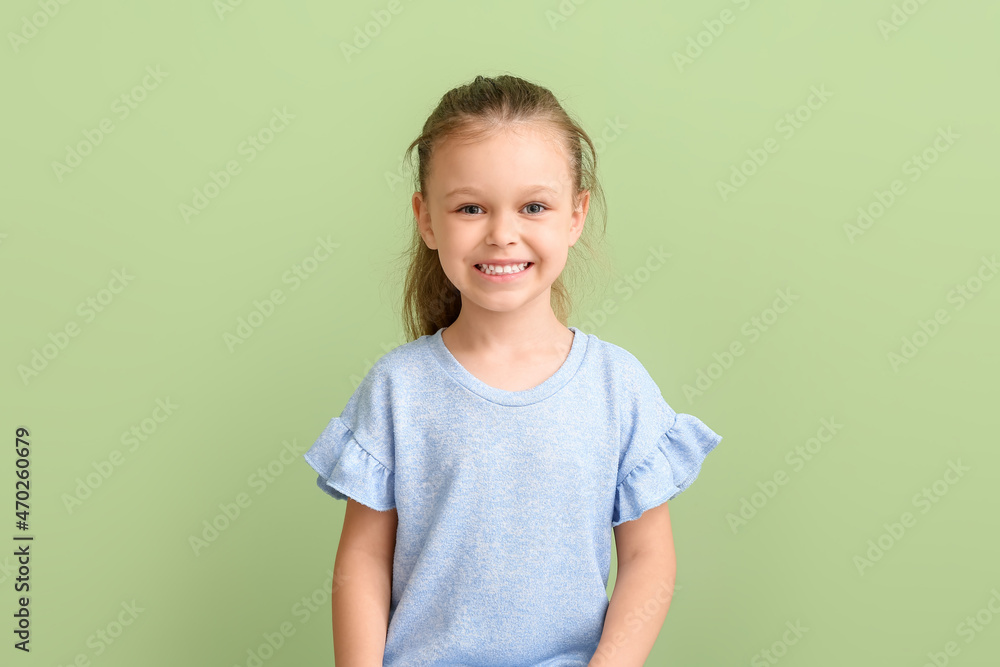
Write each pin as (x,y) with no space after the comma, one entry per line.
(430,300)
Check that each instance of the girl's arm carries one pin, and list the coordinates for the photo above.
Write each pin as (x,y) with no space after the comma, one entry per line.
(363,585)
(644,586)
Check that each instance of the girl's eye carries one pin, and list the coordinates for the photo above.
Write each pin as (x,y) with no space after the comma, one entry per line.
(465,209)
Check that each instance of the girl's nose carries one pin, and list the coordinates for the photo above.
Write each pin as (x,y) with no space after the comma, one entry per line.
(502,228)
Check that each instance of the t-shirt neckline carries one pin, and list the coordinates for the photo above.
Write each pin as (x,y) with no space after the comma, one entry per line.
(551,385)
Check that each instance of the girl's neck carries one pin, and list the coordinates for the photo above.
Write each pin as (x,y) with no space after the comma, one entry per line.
(506,337)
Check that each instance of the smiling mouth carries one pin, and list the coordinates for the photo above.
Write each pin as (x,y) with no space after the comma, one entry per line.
(507,270)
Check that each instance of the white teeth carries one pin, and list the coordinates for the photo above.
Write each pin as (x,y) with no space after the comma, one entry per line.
(492,269)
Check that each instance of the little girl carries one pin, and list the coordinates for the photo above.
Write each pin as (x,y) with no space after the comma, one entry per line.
(486,462)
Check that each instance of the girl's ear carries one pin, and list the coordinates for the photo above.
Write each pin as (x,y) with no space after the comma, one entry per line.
(579,216)
(423,218)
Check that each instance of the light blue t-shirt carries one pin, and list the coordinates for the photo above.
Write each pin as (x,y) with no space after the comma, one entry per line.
(505,499)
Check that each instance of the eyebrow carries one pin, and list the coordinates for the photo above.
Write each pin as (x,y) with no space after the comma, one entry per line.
(468,190)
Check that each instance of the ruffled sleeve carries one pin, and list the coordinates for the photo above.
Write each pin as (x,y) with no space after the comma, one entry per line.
(353,456)
(662,451)
(346,469)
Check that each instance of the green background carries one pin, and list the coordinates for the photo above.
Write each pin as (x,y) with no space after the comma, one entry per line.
(325,176)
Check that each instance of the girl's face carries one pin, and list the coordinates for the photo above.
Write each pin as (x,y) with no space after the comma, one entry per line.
(506,199)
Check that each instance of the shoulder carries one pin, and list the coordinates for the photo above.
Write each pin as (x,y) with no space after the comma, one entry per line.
(629,386)
(621,367)
(393,380)
(400,367)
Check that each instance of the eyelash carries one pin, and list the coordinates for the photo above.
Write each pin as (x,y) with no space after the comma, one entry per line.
(534,203)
